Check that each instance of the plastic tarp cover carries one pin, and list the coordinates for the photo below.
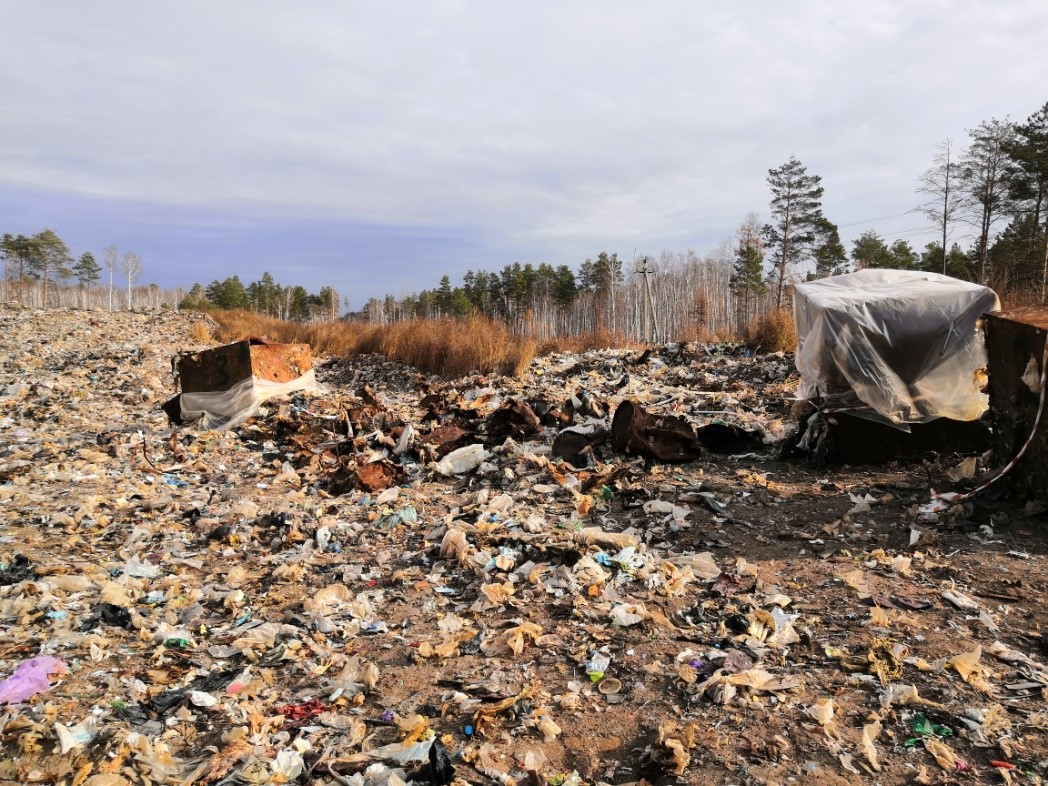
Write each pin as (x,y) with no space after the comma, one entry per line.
(229,408)
(899,346)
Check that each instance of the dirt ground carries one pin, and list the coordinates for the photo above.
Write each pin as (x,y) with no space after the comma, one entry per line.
(239,607)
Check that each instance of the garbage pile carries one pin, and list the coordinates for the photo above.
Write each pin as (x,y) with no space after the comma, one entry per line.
(596,573)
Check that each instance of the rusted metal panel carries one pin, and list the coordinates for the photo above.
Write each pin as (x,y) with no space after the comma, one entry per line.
(1015,344)
(663,437)
(219,369)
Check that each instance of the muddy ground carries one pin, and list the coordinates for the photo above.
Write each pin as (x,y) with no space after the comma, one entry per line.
(239,607)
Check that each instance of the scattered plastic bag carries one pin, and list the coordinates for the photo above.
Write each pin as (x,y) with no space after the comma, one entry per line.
(461,461)
(29,679)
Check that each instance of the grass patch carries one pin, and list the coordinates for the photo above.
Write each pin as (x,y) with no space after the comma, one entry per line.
(772,332)
(200,333)
(448,347)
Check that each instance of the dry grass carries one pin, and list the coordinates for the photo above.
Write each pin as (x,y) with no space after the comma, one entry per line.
(325,338)
(450,347)
(772,332)
(703,335)
(1029,295)
(453,348)
(447,347)
(200,332)
(584,342)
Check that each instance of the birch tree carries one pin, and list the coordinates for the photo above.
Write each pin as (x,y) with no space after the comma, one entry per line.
(111,259)
(131,265)
(941,184)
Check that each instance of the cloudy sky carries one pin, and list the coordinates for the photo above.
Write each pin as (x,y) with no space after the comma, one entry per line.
(376,146)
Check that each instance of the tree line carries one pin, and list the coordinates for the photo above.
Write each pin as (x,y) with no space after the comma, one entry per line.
(993,192)
(39,271)
(266,297)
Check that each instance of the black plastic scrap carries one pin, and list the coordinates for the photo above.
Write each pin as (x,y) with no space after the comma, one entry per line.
(575,446)
(19,570)
(730,440)
(439,771)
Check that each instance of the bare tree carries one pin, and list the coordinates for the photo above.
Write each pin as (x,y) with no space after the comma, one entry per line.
(940,182)
(111,258)
(984,182)
(131,264)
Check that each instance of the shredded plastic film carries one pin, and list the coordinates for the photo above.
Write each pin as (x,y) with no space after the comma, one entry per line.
(894,345)
(229,408)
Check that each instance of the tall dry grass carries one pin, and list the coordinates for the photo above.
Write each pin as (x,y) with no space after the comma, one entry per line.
(446,347)
(772,332)
(200,332)
(454,348)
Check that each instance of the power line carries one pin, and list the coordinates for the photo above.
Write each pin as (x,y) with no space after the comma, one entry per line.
(881,218)
(915,231)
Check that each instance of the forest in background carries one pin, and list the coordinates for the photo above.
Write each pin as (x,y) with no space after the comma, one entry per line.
(989,194)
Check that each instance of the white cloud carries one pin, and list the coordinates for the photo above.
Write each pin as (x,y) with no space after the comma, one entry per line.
(548,124)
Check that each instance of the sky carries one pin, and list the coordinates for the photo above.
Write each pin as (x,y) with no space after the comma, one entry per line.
(375,147)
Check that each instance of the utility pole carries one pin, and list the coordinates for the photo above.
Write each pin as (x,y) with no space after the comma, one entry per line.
(650,322)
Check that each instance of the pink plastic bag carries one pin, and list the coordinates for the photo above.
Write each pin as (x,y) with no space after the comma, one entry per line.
(30,679)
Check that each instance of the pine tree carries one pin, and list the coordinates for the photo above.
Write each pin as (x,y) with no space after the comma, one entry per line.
(18,251)
(87,270)
(831,258)
(958,264)
(1028,188)
(747,276)
(870,250)
(328,300)
(195,299)
(51,257)
(796,210)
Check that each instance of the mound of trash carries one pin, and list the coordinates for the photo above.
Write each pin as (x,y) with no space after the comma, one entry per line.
(599,572)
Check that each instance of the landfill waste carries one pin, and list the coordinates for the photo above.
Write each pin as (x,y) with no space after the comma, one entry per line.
(307,598)
(892,365)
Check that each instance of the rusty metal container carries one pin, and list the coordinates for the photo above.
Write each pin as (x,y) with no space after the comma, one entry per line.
(1015,342)
(248,366)
(219,369)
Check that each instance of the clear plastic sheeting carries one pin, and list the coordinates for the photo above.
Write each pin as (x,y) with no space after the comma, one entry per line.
(229,408)
(894,345)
